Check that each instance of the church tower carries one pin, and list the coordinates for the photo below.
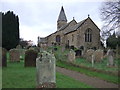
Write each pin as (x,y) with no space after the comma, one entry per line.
(62,20)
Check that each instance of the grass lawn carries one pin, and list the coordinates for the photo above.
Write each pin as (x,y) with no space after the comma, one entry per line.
(107,77)
(61,62)
(15,75)
(101,65)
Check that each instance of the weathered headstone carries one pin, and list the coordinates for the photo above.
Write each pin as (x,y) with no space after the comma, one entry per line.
(22,53)
(93,58)
(89,54)
(46,73)
(30,58)
(4,57)
(14,55)
(71,56)
(98,55)
(110,57)
(18,47)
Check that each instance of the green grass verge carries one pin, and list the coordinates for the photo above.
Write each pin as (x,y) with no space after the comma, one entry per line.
(68,82)
(109,78)
(15,75)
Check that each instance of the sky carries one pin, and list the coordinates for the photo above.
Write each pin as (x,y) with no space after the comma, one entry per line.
(39,17)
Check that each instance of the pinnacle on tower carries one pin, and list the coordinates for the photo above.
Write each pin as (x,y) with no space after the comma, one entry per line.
(62,16)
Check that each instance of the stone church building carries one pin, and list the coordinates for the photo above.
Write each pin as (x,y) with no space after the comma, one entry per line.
(84,34)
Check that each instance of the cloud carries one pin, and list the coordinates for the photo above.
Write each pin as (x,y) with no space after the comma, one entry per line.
(39,17)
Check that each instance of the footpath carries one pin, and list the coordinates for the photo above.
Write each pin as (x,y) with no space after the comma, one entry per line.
(93,81)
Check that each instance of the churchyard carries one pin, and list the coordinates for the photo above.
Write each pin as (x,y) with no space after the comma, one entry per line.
(25,72)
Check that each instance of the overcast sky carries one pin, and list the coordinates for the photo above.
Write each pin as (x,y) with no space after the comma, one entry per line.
(39,17)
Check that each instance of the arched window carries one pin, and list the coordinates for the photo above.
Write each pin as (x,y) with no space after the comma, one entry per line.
(58,38)
(88,35)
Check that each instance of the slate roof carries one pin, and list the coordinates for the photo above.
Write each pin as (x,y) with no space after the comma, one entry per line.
(75,27)
(62,16)
(65,26)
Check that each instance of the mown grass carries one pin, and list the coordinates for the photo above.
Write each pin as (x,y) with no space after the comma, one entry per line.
(100,65)
(109,78)
(15,75)
(80,61)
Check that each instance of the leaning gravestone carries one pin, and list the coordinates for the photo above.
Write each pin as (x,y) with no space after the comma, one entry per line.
(89,54)
(71,56)
(4,57)
(14,55)
(30,58)
(98,55)
(46,73)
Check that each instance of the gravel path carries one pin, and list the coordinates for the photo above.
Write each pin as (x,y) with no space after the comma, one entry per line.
(93,81)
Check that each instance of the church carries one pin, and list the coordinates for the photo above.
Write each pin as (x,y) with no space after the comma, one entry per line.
(84,34)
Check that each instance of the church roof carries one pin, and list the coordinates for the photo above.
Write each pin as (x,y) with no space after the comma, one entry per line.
(62,16)
(75,27)
(65,26)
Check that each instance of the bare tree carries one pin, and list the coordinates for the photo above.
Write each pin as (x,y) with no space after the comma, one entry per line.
(110,14)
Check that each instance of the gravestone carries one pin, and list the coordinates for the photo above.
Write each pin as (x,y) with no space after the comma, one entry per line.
(4,57)
(46,72)
(63,49)
(71,56)
(18,47)
(98,55)
(89,54)
(30,58)
(22,53)
(78,53)
(110,57)
(93,59)
(14,55)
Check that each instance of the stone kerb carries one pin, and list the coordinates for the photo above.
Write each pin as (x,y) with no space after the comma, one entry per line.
(14,55)
(71,56)
(46,71)
(30,58)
